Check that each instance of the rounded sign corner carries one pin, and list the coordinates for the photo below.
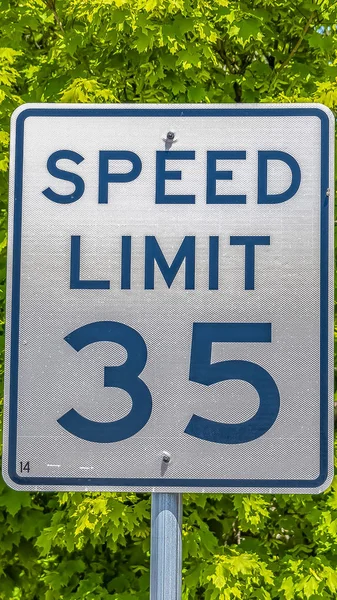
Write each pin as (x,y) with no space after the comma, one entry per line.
(323,482)
(326,111)
(13,480)
(22,112)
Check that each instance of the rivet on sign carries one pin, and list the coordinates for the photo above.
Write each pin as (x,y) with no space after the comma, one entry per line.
(166,457)
(169,138)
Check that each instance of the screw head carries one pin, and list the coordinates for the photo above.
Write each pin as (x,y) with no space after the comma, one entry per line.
(166,457)
(170,135)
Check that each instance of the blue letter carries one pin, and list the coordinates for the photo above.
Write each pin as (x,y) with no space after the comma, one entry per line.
(213,176)
(75,282)
(124,377)
(162,175)
(65,176)
(263,196)
(126,262)
(203,371)
(105,177)
(213,263)
(249,241)
(153,253)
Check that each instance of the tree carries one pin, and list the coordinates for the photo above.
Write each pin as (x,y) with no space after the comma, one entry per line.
(72,546)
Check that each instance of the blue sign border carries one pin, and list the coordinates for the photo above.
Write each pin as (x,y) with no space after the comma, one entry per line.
(16,271)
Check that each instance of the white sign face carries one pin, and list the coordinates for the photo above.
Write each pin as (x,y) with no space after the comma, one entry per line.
(170,298)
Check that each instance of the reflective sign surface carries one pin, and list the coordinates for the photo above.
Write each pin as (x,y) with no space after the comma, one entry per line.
(169,309)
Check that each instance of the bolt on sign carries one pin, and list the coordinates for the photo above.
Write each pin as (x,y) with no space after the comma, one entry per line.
(170,298)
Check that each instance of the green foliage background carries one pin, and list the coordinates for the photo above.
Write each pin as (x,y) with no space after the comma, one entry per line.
(96,546)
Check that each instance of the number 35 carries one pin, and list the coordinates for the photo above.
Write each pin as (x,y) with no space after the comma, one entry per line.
(202,370)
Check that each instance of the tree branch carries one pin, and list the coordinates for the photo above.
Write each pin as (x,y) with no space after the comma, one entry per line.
(298,43)
(222,53)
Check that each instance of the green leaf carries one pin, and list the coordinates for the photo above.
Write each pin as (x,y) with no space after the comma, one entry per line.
(248,29)
(287,586)
(310,586)
(196,93)
(14,501)
(143,41)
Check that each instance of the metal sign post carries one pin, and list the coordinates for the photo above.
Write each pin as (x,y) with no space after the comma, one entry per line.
(166,546)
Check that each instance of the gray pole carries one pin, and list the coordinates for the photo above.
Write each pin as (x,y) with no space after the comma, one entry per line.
(165,565)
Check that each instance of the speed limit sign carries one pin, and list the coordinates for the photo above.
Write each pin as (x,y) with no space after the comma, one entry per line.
(170,298)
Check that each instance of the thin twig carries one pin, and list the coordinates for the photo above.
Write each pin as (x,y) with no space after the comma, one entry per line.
(51,4)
